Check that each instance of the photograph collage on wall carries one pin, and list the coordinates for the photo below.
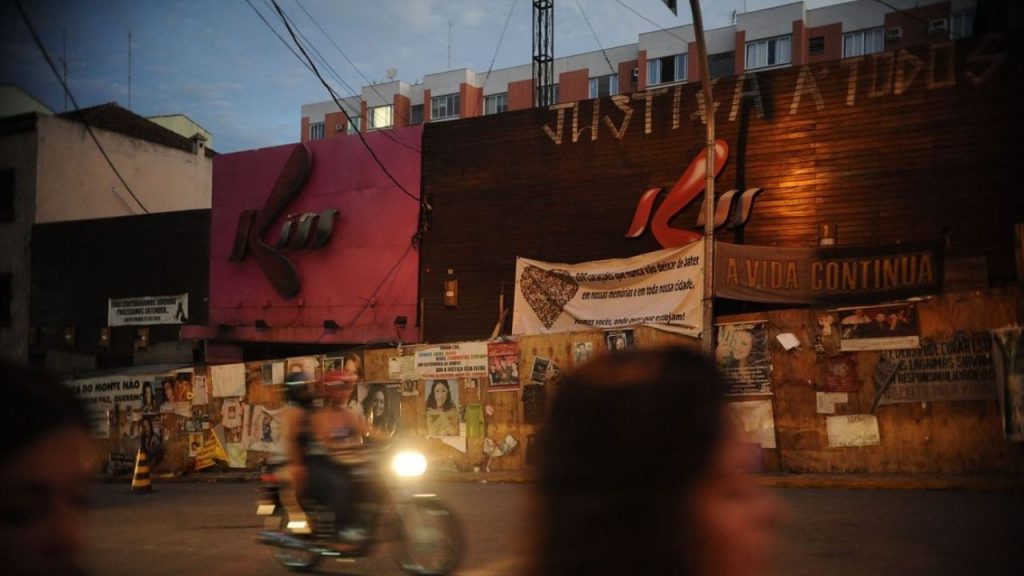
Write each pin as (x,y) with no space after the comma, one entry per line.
(503,366)
(442,407)
(888,327)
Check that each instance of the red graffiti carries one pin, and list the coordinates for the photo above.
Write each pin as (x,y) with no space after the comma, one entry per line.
(684,191)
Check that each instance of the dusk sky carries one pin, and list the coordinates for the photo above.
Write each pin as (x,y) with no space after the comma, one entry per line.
(218,63)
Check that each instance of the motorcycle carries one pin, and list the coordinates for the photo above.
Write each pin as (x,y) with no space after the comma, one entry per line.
(424,535)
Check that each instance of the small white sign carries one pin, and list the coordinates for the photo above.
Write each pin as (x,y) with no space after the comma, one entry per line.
(852,430)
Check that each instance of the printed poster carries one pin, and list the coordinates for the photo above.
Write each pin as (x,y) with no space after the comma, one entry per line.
(1008,357)
(852,430)
(227,380)
(889,327)
(442,407)
(539,374)
(619,340)
(662,289)
(825,402)
(147,310)
(503,366)
(459,360)
(582,352)
(200,390)
(840,374)
(264,430)
(951,370)
(757,420)
(743,357)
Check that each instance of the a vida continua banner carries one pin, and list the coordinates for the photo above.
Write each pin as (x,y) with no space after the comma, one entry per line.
(661,289)
(814,276)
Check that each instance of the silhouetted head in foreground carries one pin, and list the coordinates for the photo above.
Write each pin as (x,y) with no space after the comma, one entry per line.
(45,459)
(643,472)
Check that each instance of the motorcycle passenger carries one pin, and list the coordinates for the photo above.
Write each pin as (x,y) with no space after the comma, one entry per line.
(316,440)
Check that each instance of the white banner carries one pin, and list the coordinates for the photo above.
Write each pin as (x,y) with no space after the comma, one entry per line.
(462,359)
(662,289)
(146,310)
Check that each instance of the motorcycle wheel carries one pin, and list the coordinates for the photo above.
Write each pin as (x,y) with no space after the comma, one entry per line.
(295,559)
(430,541)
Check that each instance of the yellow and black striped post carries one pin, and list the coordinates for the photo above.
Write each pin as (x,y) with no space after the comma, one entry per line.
(140,479)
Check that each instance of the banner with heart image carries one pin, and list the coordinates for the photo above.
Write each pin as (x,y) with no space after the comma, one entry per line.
(661,289)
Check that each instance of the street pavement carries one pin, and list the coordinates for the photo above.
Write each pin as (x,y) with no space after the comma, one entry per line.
(189,527)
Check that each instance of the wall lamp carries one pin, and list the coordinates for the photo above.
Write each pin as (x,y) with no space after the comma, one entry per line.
(826,235)
(105,337)
(142,339)
(451,290)
(261,325)
(69,335)
(331,325)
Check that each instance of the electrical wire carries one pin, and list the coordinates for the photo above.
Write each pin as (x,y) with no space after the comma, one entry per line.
(335,98)
(501,38)
(74,102)
(373,297)
(370,84)
(596,39)
(649,21)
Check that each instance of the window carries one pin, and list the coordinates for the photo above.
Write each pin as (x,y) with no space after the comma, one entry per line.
(444,107)
(768,52)
(416,114)
(379,117)
(962,24)
(316,131)
(863,42)
(816,46)
(496,103)
(604,86)
(667,69)
(353,125)
(723,64)
(7,195)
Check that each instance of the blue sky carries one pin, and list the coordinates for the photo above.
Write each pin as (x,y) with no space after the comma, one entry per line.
(218,63)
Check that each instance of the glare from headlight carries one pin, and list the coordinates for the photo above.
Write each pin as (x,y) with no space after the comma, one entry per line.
(409,464)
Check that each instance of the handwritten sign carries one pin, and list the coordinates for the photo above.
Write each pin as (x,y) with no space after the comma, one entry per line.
(958,369)
(463,359)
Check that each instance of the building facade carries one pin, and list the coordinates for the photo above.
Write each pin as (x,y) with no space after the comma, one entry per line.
(53,171)
(778,37)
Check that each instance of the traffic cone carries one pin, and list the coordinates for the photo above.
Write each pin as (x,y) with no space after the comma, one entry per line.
(140,479)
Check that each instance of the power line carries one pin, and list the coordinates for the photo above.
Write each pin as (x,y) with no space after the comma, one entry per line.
(347,117)
(500,40)
(74,102)
(343,83)
(649,21)
(596,39)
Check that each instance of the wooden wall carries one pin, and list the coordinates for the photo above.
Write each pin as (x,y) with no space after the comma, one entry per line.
(937,437)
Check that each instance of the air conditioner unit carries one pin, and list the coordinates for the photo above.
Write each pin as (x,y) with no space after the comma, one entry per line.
(636,73)
(938,26)
(340,126)
(894,33)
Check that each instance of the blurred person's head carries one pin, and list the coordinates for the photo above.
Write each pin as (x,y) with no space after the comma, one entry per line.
(45,460)
(642,472)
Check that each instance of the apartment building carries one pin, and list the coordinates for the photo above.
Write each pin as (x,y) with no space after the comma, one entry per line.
(776,37)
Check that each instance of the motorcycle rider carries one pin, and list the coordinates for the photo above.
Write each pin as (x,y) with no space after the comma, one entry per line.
(316,441)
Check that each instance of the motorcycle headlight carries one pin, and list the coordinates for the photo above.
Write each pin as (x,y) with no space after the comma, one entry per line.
(409,464)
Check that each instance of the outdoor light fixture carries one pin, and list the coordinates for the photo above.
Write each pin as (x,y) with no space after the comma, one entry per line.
(451,290)
(261,325)
(105,337)
(69,335)
(826,235)
(142,339)
(331,325)
(401,321)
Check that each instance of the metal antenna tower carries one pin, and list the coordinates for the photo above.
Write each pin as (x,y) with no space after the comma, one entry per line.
(544,52)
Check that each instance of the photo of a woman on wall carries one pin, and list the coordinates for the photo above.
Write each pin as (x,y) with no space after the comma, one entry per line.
(148,399)
(377,409)
(442,409)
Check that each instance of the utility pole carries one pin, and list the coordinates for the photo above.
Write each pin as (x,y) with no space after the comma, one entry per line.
(129,70)
(709,183)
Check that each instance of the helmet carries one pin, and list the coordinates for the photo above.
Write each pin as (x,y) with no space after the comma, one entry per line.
(343,378)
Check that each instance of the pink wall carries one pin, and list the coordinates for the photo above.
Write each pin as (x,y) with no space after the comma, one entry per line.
(365,275)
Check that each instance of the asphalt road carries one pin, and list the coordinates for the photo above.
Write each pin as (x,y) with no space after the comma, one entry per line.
(209,528)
